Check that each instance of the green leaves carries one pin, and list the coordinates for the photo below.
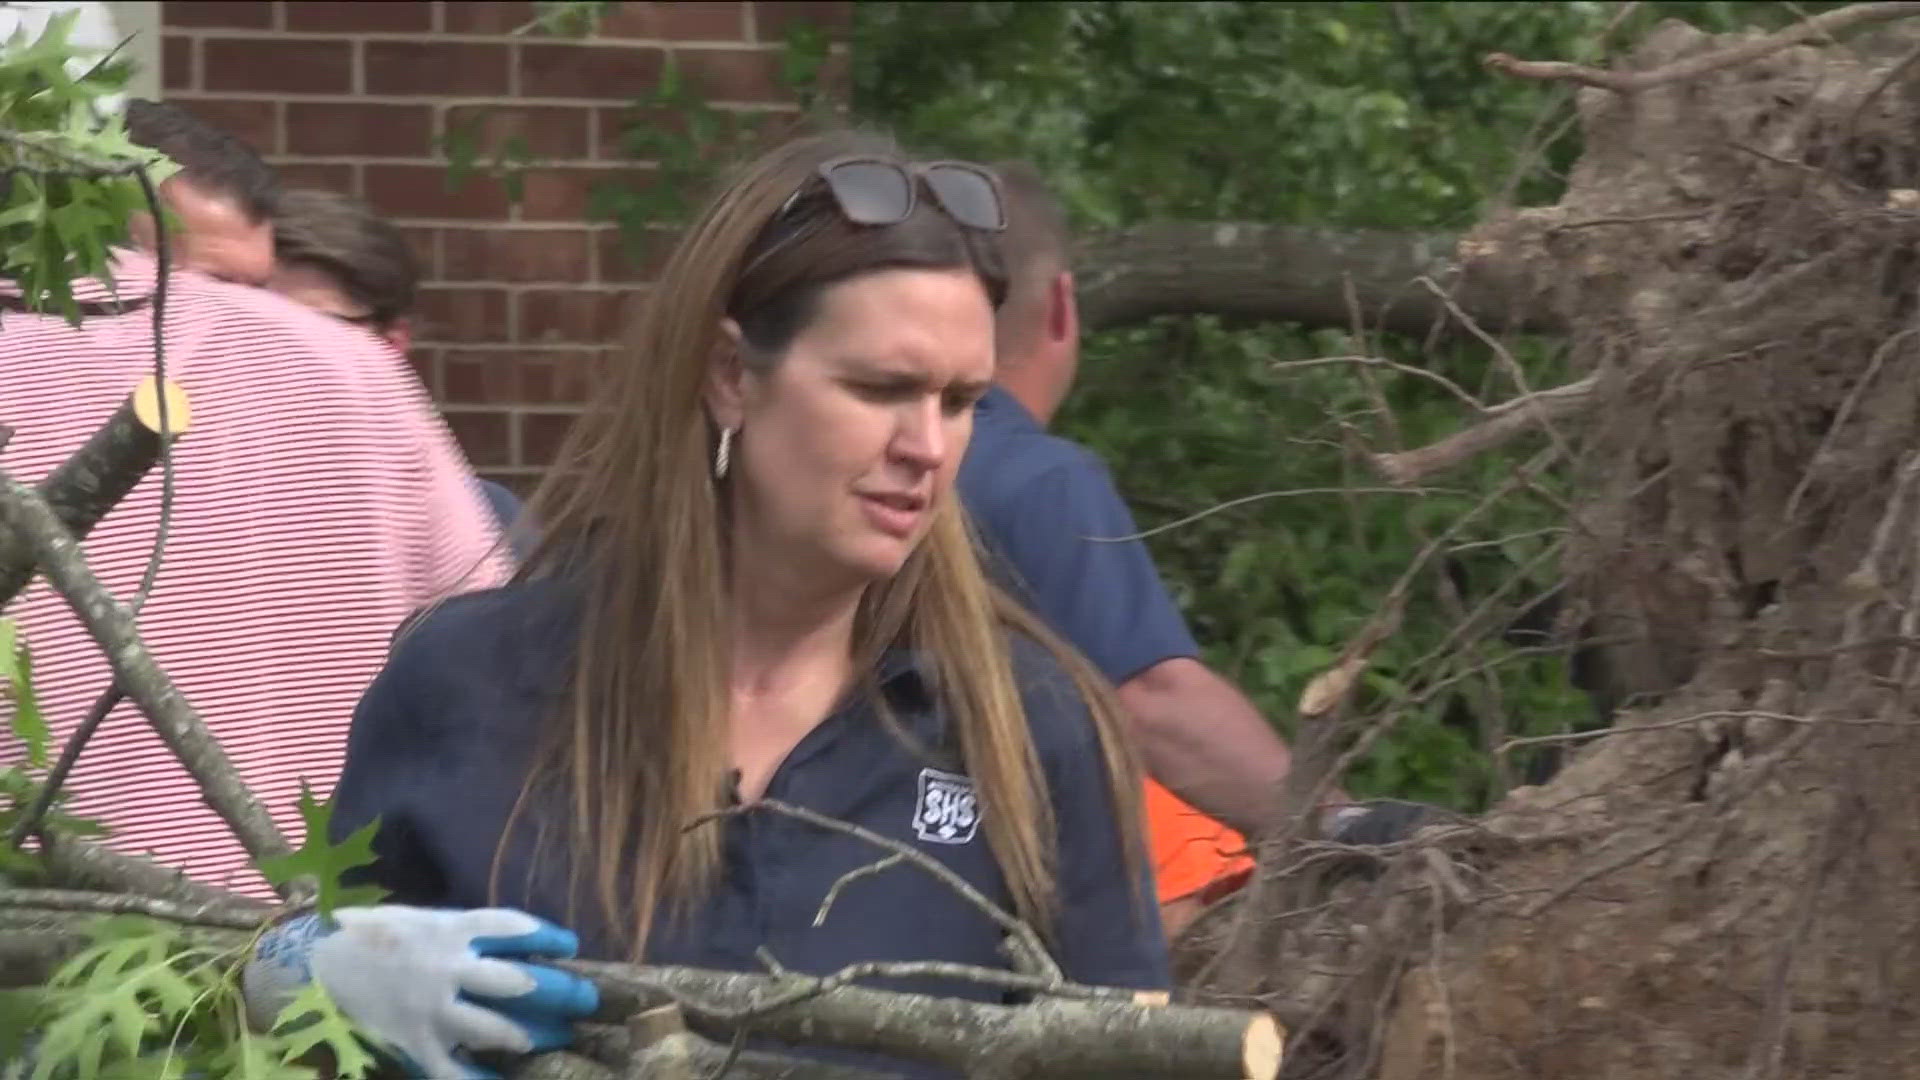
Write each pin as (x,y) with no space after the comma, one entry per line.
(68,192)
(312,1021)
(102,1003)
(145,1000)
(326,861)
(16,689)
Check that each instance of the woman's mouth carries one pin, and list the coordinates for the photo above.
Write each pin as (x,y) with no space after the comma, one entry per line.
(895,515)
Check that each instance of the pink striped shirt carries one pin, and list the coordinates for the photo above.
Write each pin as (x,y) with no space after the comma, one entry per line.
(318,499)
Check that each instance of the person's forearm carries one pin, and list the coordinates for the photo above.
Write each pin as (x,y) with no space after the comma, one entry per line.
(1203,740)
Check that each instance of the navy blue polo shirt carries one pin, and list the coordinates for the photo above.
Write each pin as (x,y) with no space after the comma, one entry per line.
(441,742)
(1038,500)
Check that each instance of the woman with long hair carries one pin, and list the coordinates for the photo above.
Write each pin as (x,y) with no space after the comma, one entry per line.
(753,581)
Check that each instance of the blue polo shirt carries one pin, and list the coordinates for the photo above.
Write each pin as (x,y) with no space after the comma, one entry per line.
(1038,501)
(441,742)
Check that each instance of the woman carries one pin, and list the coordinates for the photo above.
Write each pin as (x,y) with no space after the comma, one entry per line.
(754,581)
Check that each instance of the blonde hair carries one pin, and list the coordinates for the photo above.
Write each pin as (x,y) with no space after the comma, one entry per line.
(630,507)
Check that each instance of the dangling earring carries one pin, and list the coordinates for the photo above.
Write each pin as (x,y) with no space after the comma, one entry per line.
(724,454)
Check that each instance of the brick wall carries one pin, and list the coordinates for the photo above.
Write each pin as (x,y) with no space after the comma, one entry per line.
(521,299)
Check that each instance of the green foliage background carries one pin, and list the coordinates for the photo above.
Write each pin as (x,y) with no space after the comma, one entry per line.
(1377,116)
(1353,115)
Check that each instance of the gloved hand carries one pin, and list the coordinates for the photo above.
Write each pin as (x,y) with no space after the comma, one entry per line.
(426,983)
(1377,822)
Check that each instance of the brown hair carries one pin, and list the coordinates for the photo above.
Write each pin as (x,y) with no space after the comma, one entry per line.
(343,238)
(632,511)
(1035,246)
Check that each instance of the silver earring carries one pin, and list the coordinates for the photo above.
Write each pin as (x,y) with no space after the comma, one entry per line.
(724,454)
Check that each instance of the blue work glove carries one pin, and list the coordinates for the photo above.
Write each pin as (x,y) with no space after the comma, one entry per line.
(426,984)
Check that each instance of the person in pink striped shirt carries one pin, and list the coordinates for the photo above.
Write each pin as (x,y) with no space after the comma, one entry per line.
(318,501)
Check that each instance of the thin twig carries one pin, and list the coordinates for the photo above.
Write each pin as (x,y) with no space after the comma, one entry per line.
(851,876)
(1029,953)
(1840,418)
(1629,82)
(1454,388)
(1700,718)
(1290,493)
(29,822)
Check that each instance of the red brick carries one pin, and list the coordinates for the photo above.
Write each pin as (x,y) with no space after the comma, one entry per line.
(278,66)
(739,75)
(484,436)
(227,14)
(256,123)
(360,16)
(620,260)
(564,194)
(575,316)
(359,129)
(496,17)
(541,435)
(588,71)
(461,314)
(425,242)
(689,20)
(176,62)
(436,68)
(427,191)
(426,365)
(557,255)
(548,131)
(517,376)
(772,21)
(332,176)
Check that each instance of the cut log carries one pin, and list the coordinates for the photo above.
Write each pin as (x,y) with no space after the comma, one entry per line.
(1050,1037)
(101,472)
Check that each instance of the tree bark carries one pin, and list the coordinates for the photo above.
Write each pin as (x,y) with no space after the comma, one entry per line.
(1279,273)
(1049,1037)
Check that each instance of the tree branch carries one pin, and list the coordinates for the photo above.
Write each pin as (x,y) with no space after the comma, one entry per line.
(1503,422)
(1029,954)
(60,557)
(1630,82)
(1050,1036)
(98,475)
(73,863)
(1243,270)
(1070,1038)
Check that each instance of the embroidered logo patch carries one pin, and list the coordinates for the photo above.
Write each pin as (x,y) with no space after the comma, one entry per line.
(948,811)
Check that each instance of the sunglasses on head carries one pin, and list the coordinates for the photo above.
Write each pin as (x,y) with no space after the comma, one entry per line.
(879,191)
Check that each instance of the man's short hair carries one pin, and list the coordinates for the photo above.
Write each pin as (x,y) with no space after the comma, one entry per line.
(1036,241)
(1035,246)
(208,157)
(343,238)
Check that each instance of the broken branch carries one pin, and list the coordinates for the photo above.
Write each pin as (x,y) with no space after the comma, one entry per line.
(98,475)
(1067,1038)
(1629,82)
(1503,422)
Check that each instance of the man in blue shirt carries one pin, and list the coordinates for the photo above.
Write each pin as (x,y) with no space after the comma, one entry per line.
(1038,498)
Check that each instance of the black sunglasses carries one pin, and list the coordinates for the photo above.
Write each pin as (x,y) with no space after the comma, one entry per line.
(877,191)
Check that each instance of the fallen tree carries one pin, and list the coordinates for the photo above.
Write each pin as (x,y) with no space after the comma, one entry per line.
(1726,882)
